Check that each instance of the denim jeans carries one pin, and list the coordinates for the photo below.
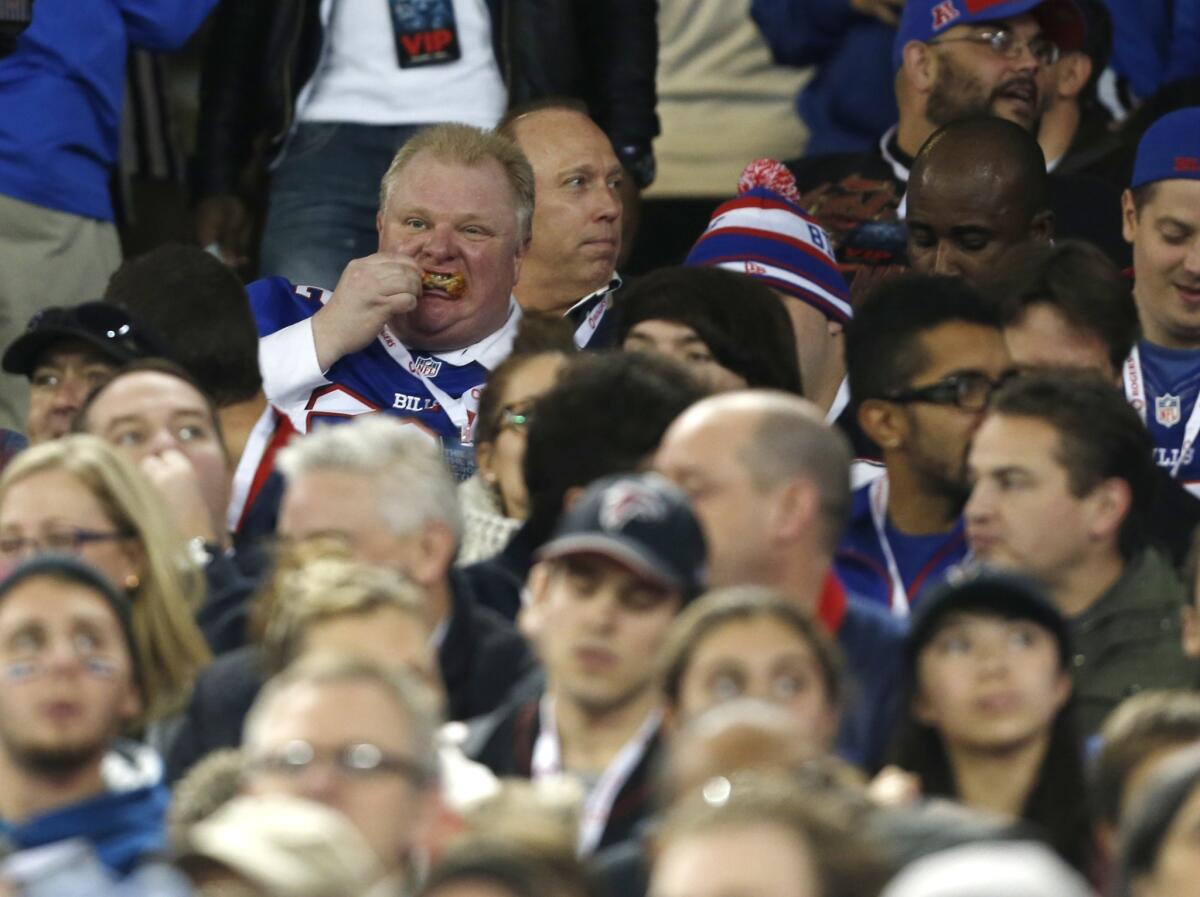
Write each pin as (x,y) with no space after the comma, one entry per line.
(323,199)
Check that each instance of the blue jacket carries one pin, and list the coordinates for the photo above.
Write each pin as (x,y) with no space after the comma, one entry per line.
(851,100)
(60,95)
(123,826)
(1158,41)
(861,564)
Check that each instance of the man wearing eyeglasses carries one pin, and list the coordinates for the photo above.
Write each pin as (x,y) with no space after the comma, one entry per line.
(355,738)
(923,355)
(1063,484)
(954,59)
(66,352)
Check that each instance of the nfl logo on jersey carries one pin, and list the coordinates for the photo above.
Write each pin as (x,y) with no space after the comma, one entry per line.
(424,366)
(1166,410)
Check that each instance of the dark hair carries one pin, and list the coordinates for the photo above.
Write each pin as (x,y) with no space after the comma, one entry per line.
(1055,803)
(537,334)
(1099,437)
(1003,148)
(1097,46)
(201,310)
(605,415)
(156,366)
(712,611)
(1078,281)
(1139,727)
(1143,195)
(741,321)
(1148,822)
(883,342)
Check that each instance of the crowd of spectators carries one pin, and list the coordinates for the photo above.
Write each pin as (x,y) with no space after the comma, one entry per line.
(432,525)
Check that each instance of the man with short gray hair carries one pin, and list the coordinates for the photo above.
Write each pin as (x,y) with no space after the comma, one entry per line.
(413,329)
(380,487)
(770,482)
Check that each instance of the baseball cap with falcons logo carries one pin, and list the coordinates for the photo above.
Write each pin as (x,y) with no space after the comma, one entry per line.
(641,521)
(1062,21)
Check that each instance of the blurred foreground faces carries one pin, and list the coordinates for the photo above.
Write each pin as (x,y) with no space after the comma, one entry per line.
(353,737)
(760,835)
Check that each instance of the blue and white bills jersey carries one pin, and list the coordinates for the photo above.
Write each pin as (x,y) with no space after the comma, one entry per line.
(439,392)
(876,561)
(1162,385)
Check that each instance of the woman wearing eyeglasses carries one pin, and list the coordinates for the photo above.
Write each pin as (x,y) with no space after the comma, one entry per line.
(77,495)
(494,501)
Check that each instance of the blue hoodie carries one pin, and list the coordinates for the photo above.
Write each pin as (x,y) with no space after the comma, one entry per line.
(60,95)
(123,826)
(1158,41)
(850,101)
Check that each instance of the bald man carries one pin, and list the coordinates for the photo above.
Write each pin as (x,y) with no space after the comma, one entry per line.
(570,268)
(978,187)
(769,481)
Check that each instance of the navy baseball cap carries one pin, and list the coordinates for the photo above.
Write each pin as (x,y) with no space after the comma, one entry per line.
(1170,149)
(112,331)
(986,591)
(1062,21)
(641,521)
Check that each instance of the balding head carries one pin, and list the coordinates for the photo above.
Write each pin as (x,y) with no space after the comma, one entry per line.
(577,207)
(765,473)
(978,187)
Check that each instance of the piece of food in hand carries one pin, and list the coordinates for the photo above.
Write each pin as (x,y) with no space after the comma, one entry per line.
(454,284)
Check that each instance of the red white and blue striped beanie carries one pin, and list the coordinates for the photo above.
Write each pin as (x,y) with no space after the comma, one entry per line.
(764,233)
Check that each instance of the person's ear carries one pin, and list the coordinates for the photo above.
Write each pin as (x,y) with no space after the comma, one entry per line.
(1191,631)
(919,65)
(795,511)
(1128,216)
(1110,503)
(883,422)
(485,455)
(432,553)
(1041,229)
(571,496)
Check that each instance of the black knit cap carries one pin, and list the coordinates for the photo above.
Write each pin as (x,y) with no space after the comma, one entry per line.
(1000,594)
(71,569)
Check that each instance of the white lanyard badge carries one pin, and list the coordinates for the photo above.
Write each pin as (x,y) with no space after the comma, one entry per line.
(1135,393)
(547,761)
(877,494)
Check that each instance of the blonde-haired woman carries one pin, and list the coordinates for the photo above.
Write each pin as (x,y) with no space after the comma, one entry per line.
(78,495)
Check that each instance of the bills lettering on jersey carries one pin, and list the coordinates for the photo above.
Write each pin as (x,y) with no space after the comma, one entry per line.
(1168,458)
(1166,410)
(1168,382)
(413,403)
